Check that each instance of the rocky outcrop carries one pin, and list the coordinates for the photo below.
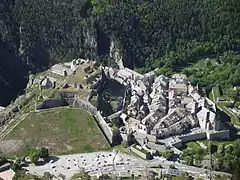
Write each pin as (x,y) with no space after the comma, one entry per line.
(115,52)
(90,44)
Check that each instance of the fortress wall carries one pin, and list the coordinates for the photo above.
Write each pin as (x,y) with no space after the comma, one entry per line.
(192,137)
(218,135)
(106,129)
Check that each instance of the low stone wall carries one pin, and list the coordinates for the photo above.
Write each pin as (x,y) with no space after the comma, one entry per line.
(223,135)
(138,152)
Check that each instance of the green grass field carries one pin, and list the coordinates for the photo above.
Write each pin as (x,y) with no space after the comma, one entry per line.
(200,64)
(62,130)
(215,93)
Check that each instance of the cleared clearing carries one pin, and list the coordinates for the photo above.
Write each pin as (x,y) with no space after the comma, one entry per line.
(62,130)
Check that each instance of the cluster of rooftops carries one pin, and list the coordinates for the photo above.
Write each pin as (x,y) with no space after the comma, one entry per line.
(167,107)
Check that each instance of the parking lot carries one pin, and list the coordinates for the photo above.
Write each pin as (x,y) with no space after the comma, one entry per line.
(92,163)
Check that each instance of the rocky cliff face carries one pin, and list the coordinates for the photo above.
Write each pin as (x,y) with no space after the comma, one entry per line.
(13,73)
(116,52)
(90,43)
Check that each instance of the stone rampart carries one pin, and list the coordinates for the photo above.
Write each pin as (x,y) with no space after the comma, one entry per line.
(86,105)
(223,135)
(106,129)
(193,137)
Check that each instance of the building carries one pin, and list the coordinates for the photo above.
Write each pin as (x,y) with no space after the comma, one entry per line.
(178,83)
(7,175)
(207,119)
(172,172)
(46,83)
(61,69)
(172,124)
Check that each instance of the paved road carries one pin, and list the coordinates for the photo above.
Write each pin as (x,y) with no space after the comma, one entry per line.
(183,167)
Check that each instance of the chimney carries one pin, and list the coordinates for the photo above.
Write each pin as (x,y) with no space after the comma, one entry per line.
(195,108)
(208,116)
(208,125)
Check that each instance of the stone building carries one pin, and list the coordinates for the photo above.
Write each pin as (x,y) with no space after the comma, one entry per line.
(178,83)
(46,83)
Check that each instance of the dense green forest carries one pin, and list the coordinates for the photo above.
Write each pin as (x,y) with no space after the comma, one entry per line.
(45,32)
(171,34)
(165,34)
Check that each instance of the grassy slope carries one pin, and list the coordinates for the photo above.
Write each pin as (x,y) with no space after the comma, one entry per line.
(199,64)
(214,94)
(63,130)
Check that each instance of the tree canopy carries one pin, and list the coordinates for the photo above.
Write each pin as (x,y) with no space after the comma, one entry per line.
(172,34)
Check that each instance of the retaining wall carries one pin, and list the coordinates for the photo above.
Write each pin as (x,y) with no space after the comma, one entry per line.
(52,103)
(86,105)
(138,152)
(177,144)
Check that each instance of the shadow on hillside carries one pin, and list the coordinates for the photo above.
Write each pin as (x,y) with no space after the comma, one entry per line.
(13,74)
(226,124)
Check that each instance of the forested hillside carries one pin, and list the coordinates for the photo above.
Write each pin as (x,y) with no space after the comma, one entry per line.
(168,34)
